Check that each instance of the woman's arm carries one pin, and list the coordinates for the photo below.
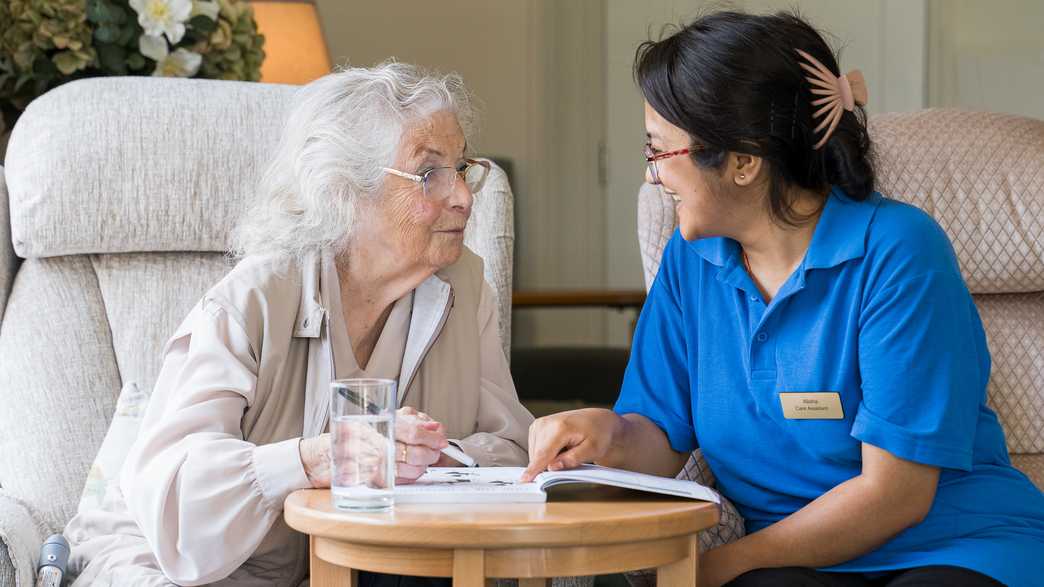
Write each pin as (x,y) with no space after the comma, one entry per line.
(191,481)
(594,435)
(503,422)
(640,445)
(859,515)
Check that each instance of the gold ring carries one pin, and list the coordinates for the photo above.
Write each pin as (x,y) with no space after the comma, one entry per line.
(403,459)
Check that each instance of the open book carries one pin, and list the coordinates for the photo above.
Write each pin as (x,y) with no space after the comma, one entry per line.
(501,485)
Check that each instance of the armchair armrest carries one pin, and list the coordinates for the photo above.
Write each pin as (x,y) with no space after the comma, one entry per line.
(8,260)
(22,532)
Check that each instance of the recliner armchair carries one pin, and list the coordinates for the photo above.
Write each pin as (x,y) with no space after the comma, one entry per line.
(116,205)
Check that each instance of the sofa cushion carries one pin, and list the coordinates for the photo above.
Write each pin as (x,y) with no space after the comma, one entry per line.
(76,328)
(58,384)
(115,165)
(979,174)
(730,527)
(657,220)
(1014,325)
(1032,465)
(22,532)
(146,296)
(8,260)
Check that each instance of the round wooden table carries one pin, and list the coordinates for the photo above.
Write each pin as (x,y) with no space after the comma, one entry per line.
(581,530)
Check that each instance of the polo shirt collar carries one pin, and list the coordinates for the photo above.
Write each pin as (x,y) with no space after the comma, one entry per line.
(840,235)
(841,231)
(718,250)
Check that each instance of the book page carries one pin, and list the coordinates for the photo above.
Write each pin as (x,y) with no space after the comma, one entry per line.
(470,485)
(502,485)
(629,480)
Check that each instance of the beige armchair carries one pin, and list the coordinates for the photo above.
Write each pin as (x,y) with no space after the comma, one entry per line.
(981,176)
(118,198)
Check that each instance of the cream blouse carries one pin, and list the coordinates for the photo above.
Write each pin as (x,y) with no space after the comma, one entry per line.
(244,378)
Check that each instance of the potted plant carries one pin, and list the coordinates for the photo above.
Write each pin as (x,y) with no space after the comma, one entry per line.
(45,43)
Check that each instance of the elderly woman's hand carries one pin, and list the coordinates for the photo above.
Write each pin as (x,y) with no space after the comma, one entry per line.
(418,440)
(315,457)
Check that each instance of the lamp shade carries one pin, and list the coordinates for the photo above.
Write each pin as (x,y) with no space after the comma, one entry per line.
(295,51)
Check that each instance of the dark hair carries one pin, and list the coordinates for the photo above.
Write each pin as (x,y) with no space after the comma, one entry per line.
(733,82)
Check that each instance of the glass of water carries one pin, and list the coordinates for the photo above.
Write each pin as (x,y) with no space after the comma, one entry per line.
(362,444)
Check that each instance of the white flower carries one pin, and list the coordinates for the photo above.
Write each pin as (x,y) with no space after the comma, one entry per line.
(163,17)
(155,48)
(180,63)
(208,8)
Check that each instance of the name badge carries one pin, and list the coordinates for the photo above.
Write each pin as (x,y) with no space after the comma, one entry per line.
(812,405)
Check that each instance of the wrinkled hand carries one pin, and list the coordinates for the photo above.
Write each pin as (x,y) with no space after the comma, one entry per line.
(568,439)
(315,456)
(418,442)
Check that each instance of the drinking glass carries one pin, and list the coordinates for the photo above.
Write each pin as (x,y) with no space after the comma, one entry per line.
(362,444)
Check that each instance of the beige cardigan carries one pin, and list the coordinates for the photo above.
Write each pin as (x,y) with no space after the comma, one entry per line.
(244,377)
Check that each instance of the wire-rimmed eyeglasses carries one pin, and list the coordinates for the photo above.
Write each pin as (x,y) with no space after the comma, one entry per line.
(438,182)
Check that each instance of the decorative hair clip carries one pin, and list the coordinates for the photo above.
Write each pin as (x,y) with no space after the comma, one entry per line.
(838,94)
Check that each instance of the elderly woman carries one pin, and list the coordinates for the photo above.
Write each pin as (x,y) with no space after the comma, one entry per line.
(354,266)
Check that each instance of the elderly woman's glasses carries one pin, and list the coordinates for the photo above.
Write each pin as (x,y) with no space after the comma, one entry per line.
(438,182)
(651,157)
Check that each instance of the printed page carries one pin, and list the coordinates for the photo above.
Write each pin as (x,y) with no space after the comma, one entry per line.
(628,480)
(470,485)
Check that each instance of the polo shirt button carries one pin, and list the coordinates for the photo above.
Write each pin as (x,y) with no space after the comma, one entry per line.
(762,336)
(753,298)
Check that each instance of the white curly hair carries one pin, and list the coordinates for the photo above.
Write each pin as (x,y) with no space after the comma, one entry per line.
(342,129)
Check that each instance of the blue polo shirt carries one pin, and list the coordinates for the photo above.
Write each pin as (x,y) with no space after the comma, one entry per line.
(878,313)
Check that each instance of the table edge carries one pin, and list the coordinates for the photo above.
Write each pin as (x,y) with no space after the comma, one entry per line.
(507,535)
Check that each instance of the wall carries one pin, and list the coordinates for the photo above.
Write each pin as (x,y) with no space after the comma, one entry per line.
(434,35)
(987,55)
(628,24)
(544,107)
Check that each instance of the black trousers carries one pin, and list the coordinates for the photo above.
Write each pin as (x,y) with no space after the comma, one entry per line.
(934,576)
(367,579)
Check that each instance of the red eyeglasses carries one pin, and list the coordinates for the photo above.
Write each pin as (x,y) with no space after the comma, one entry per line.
(651,158)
